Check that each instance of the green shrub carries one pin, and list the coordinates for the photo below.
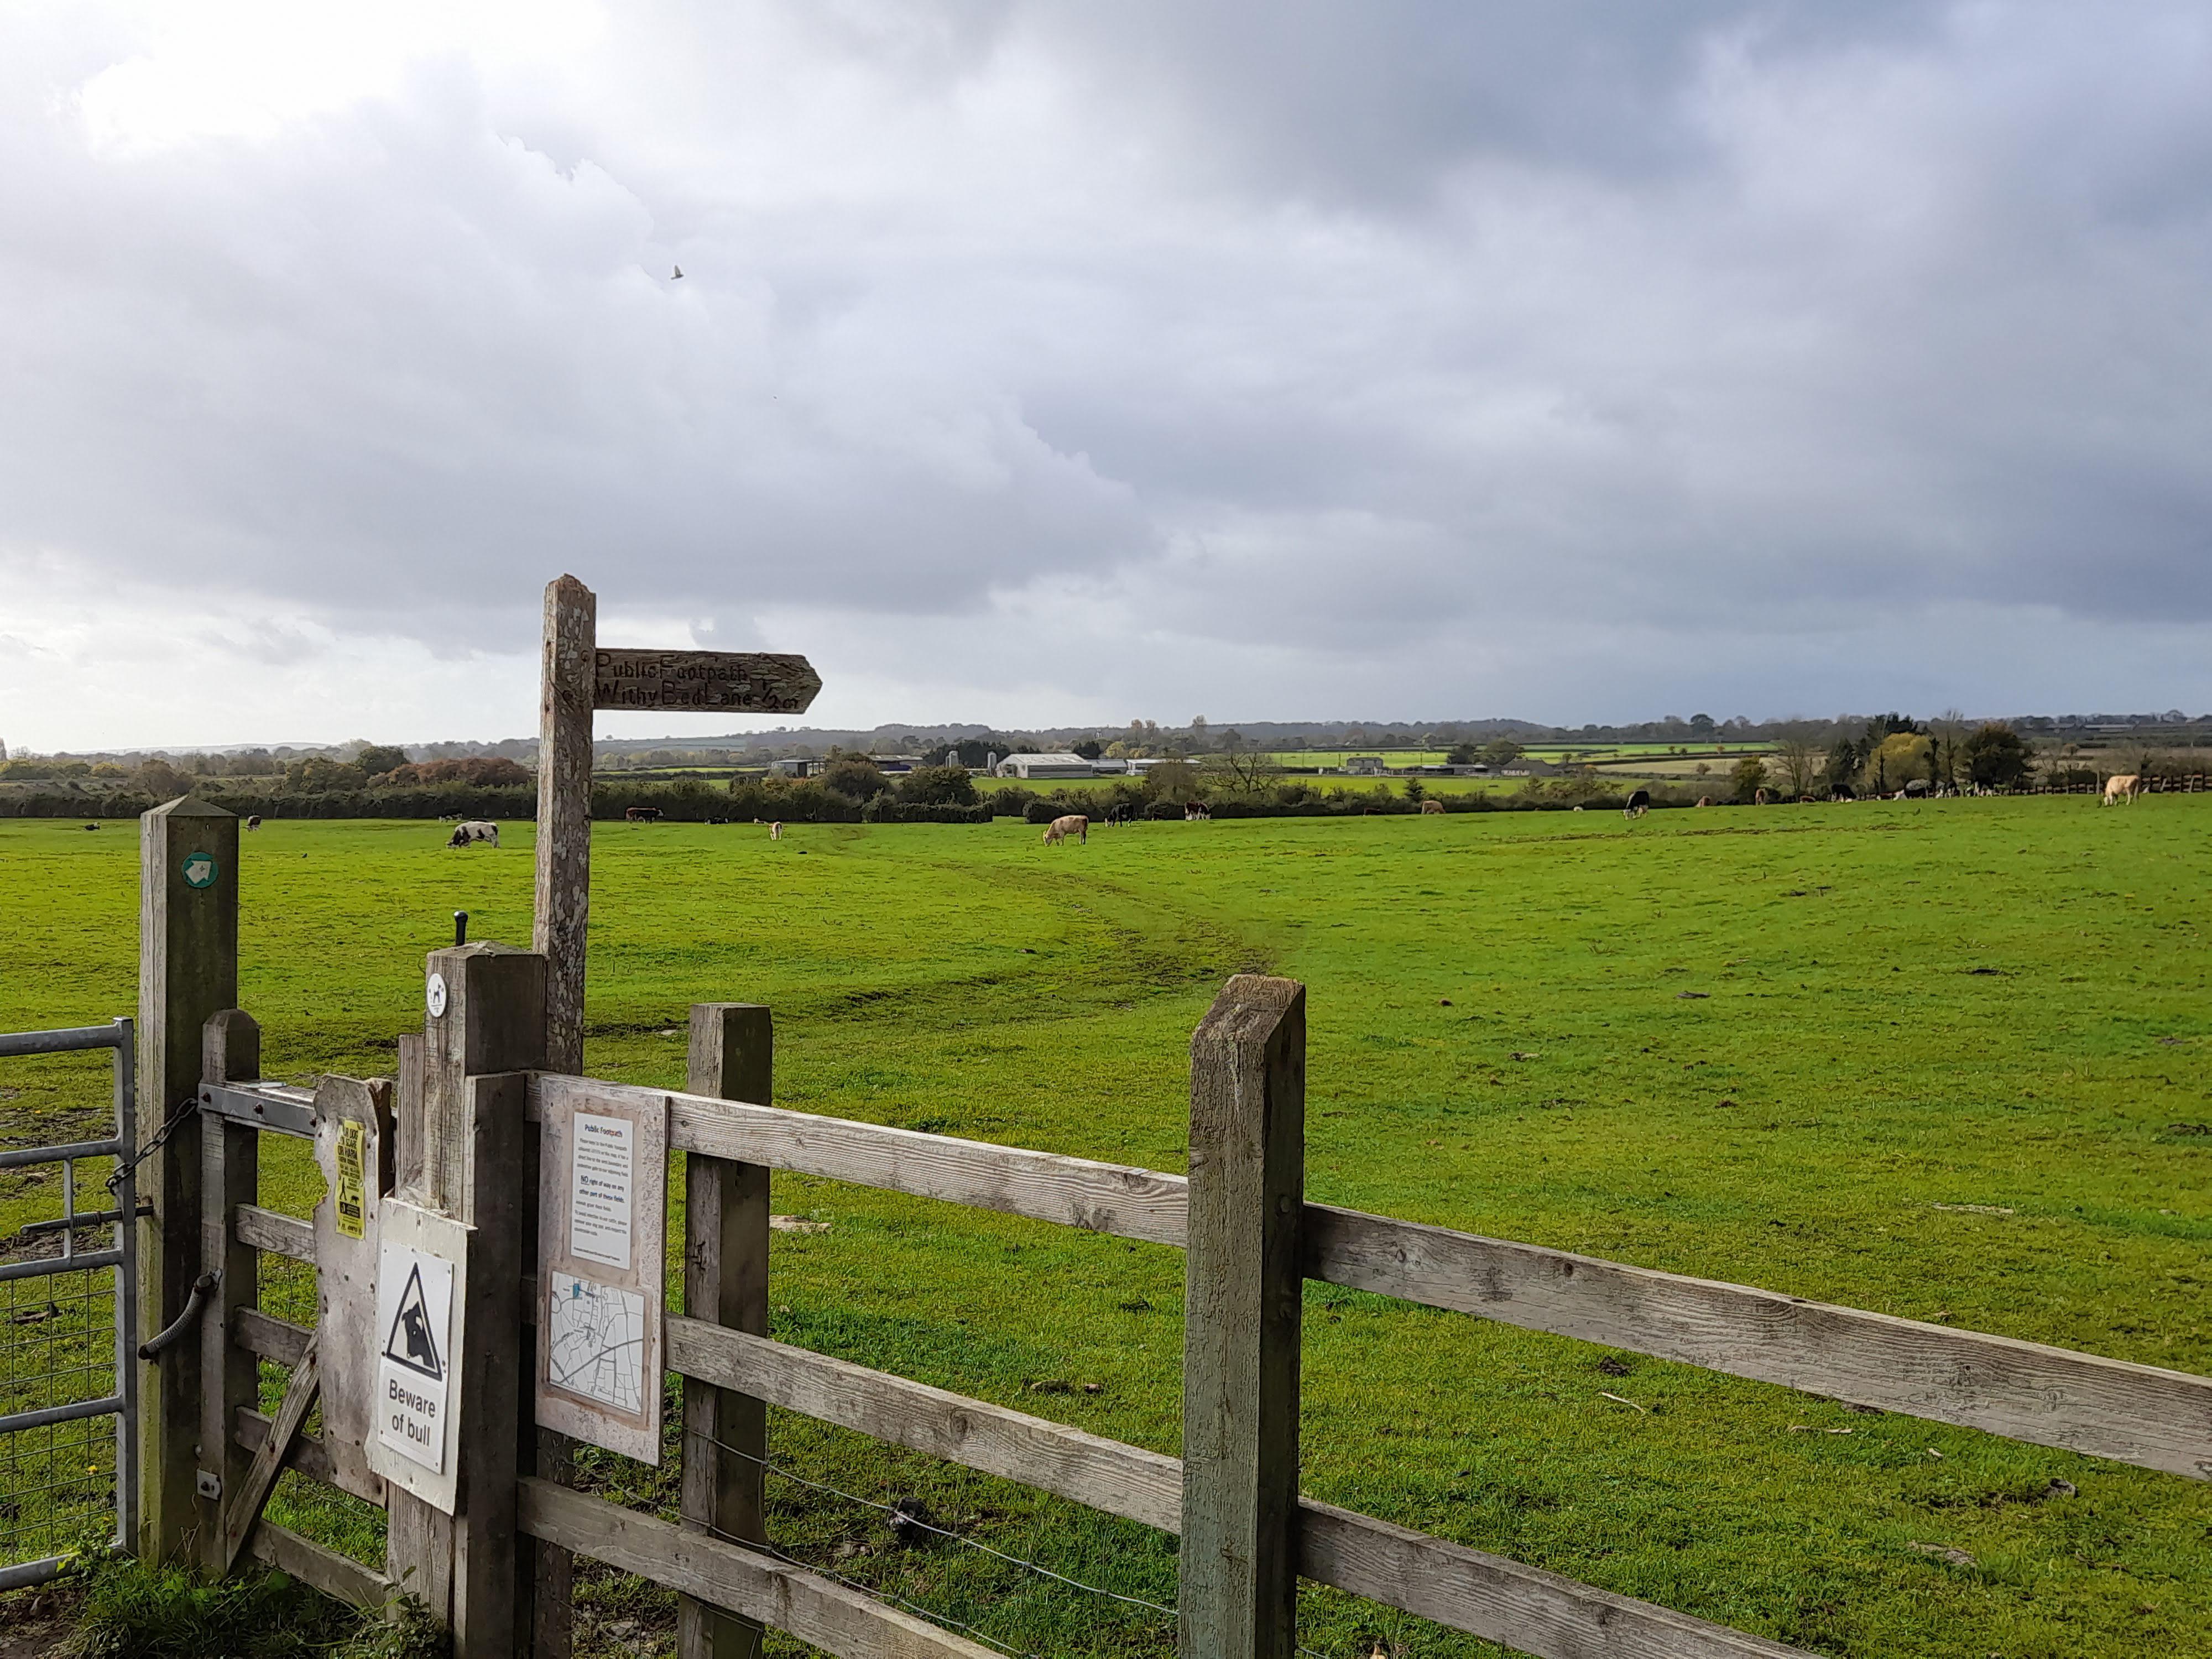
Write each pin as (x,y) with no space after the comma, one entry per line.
(938,786)
(854,778)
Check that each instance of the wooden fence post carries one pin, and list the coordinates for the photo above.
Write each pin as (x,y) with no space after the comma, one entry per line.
(562,908)
(477,1163)
(725,1283)
(230,1175)
(187,971)
(1243,1291)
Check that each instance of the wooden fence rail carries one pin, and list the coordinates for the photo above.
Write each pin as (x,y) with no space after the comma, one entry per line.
(2050,1396)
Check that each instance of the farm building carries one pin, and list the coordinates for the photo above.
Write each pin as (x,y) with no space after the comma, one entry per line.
(1369,765)
(1061,765)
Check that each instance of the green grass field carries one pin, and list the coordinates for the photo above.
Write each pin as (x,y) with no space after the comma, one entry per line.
(1949,1062)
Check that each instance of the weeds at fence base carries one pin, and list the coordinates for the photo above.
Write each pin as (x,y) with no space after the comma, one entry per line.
(130,1611)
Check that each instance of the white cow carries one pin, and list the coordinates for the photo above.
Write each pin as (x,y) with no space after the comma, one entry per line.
(2124,787)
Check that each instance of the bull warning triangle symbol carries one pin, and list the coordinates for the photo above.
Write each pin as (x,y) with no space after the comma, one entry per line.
(411,1342)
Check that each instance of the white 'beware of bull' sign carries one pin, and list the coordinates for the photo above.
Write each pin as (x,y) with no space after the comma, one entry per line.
(422,1281)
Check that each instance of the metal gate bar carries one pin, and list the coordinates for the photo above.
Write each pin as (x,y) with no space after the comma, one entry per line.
(119,1037)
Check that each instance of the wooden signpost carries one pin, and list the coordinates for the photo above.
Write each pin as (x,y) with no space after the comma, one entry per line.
(580,677)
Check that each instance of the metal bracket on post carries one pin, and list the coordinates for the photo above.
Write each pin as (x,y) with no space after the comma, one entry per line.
(281,1107)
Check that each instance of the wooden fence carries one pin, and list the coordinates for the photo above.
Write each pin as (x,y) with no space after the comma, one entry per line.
(1248,1534)
(457,1135)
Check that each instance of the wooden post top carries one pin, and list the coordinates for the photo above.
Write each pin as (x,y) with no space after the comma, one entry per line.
(187,806)
(1248,1009)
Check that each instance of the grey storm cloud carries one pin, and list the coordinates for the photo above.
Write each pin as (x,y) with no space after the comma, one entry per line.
(1229,352)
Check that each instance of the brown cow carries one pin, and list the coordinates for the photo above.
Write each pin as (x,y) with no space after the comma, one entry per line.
(641,814)
(2123,786)
(1060,828)
(1760,798)
(1433,808)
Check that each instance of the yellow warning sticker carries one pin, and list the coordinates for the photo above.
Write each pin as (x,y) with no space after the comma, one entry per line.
(351,1203)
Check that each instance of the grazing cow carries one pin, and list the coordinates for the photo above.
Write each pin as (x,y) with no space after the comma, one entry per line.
(468,833)
(1760,798)
(1197,812)
(1060,830)
(1433,808)
(776,831)
(641,814)
(254,823)
(92,826)
(2122,787)
(1917,789)
(1705,801)
(1842,792)
(1639,803)
(1118,813)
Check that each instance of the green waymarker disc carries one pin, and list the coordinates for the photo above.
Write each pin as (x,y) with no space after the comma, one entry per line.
(200,869)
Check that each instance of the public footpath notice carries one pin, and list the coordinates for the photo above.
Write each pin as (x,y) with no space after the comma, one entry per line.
(602,1195)
(603,1172)
(421,1273)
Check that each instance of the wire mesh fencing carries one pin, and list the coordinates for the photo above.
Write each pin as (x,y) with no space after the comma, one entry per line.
(56,1349)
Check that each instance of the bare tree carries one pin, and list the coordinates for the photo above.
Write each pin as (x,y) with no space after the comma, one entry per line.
(1801,762)
(1239,767)
(1948,761)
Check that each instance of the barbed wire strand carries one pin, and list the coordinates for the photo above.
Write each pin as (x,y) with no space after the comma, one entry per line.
(873,1591)
(959,1538)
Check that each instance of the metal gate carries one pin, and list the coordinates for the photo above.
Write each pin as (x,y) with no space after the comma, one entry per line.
(68,1319)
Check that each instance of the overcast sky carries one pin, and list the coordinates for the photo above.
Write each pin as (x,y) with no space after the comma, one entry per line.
(1052,362)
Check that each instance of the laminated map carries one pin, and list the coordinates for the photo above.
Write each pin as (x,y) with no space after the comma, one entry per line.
(596,1340)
